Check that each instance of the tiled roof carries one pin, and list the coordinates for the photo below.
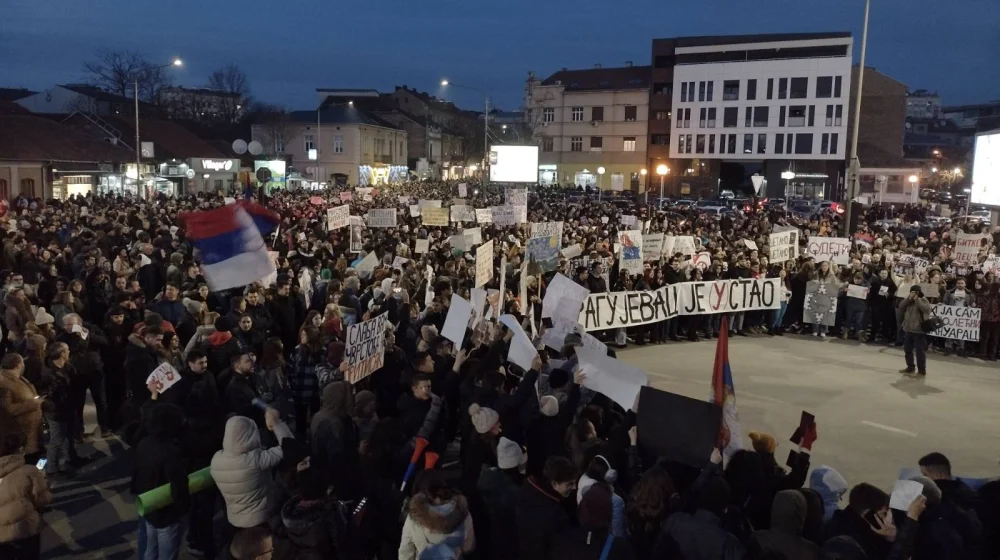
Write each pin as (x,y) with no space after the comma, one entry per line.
(170,140)
(340,114)
(32,138)
(628,77)
(97,93)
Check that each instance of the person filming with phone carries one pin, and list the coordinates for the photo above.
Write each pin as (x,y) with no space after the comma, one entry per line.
(916,312)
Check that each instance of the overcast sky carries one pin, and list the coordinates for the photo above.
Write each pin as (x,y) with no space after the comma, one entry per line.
(288,49)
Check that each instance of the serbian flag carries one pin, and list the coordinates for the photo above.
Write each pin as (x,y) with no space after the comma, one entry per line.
(724,394)
(264,219)
(233,253)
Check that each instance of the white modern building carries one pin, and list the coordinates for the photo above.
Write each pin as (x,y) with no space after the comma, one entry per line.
(768,103)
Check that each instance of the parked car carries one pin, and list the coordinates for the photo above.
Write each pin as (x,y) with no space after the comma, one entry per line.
(943,197)
(727,194)
(831,206)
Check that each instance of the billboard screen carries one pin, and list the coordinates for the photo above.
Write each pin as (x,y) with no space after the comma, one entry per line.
(986,170)
(514,164)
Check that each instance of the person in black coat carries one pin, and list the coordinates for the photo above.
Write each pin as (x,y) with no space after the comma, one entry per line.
(593,537)
(195,371)
(866,505)
(540,514)
(282,311)
(85,342)
(547,435)
(701,534)
(141,358)
(158,461)
(239,389)
(258,311)
(222,346)
(116,331)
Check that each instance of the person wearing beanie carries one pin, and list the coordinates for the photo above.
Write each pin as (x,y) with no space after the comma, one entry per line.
(763,443)
(479,448)
(777,478)
(484,420)
(498,487)
(701,535)
(335,439)
(306,516)
(547,434)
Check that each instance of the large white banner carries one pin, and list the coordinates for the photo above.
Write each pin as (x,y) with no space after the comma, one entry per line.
(382,217)
(960,323)
(833,249)
(626,309)
(338,217)
(783,246)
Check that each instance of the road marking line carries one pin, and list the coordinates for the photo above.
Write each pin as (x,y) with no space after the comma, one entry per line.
(889,428)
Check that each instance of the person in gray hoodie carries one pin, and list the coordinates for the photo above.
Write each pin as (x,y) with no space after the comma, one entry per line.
(788,517)
(242,472)
(830,486)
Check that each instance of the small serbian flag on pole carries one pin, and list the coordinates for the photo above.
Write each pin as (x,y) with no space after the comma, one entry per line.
(233,253)
(724,394)
(265,219)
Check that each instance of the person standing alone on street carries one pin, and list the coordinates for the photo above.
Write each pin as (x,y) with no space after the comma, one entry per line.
(916,310)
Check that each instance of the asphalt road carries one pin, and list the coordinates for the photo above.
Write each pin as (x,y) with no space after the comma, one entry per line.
(871,421)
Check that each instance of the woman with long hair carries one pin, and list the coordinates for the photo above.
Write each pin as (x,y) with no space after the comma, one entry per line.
(305,358)
(648,508)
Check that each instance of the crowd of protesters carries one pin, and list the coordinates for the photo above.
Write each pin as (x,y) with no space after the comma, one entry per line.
(532,465)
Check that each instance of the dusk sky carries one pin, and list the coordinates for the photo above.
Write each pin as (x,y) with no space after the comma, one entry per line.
(288,49)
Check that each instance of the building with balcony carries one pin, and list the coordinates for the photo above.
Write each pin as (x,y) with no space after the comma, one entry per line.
(584,120)
(203,104)
(923,104)
(724,108)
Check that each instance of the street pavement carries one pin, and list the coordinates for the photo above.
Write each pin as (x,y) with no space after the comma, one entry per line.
(871,420)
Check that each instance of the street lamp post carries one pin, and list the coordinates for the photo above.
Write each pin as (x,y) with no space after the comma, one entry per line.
(642,179)
(662,171)
(854,167)
(486,123)
(138,146)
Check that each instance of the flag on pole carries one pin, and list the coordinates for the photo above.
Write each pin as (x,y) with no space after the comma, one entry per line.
(724,394)
(266,220)
(232,251)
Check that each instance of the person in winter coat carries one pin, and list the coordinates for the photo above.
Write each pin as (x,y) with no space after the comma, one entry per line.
(158,461)
(23,493)
(242,473)
(222,346)
(593,539)
(201,334)
(58,411)
(20,402)
(547,435)
(258,311)
(142,356)
(788,517)
(599,471)
(864,502)
(335,439)
(540,514)
(498,486)
(959,297)
(881,298)
(438,525)
(916,309)
(648,508)
(248,335)
(854,310)
(700,536)
(17,315)
(308,521)
(831,488)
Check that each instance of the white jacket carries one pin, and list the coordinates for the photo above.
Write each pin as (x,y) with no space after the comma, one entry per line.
(448,525)
(242,472)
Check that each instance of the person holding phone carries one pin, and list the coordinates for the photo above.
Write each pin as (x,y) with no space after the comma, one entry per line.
(23,493)
(916,310)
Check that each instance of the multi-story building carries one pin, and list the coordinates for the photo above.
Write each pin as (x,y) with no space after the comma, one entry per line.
(203,104)
(972,119)
(85,98)
(748,104)
(585,120)
(923,104)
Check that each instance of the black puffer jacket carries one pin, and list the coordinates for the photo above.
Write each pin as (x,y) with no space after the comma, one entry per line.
(140,361)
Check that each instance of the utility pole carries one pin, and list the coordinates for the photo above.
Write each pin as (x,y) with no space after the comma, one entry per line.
(854,167)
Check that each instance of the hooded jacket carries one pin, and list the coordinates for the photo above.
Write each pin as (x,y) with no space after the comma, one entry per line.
(242,472)
(307,529)
(23,492)
(830,486)
(221,348)
(540,516)
(158,461)
(140,361)
(335,438)
(788,517)
(437,531)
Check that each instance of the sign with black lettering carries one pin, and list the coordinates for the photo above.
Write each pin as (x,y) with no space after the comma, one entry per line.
(783,246)
(960,323)
(365,352)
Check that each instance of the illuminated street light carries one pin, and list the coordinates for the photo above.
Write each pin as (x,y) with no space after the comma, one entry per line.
(913,178)
(662,171)
(934,170)
(788,175)
(444,82)
(958,171)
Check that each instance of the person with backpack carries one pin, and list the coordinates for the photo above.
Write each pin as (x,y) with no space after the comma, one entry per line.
(916,311)
(438,525)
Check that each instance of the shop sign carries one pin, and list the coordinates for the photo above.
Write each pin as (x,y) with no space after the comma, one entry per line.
(217,164)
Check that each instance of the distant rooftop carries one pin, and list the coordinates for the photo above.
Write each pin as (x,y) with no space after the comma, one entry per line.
(340,114)
(712,40)
(13,94)
(626,77)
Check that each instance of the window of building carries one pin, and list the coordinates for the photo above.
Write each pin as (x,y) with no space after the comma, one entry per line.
(730,116)
(680,143)
(781,116)
(631,111)
(577,114)
(628,144)
(762,143)
(688,141)
(711,117)
(701,91)
(596,143)
(824,87)
(824,143)
(722,143)
(691,92)
(731,143)
(836,86)
(730,90)
(28,188)
(779,143)
(803,143)
(4,190)
(660,139)
(684,92)
(838,119)
(797,115)
(748,143)
(548,114)
(834,142)
(663,88)
(788,143)
(829,115)
(338,144)
(596,114)
(576,144)
(548,144)
(711,85)
(687,118)
(711,143)
(751,89)
(760,115)
(770,87)
(310,142)
(660,115)
(782,88)
(799,88)
(701,117)
(812,115)
(699,146)
(748,117)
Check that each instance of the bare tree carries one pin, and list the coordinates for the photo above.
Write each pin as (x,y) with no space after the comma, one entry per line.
(271,126)
(117,72)
(232,81)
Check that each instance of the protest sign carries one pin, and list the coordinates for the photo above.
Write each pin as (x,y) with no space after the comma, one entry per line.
(604,219)
(346,196)
(338,217)
(517,197)
(484,216)
(903,494)
(474,235)
(463,190)
(367,264)
(545,229)
(414,211)
(422,246)
(545,252)
(613,378)
(398,262)
(684,429)
(433,216)
(403,200)
(484,263)
(365,351)
(967,247)
(930,290)
(752,245)
(365,192)
(859,292)
(428,203)
(462,213)
(504,215)
(357,234)
(683,244)
(459,241)
(820,306)
(571,251)
(457,321)
(631,255)
(702,260)
(833,249)
(652,246)
(163,377)
(628,221)
(560,288)
(382,217)
(960,323)
(783,246)
(992,264)
(522,352)
(626,309)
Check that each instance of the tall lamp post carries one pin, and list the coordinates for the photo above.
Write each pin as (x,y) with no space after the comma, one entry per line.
(854,167)
(662,171)
(486,123)
(138,147)
(600,181)
(642,179)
